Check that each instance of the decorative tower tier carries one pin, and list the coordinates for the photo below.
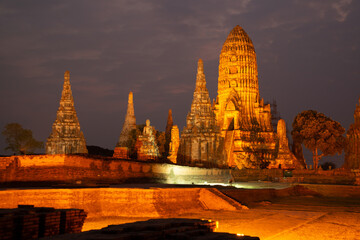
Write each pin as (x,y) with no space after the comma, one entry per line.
(352,152)
(121,150)
(243,118)
(66,136)
(200,143)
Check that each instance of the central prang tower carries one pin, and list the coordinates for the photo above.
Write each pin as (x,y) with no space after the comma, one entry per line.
(244,120)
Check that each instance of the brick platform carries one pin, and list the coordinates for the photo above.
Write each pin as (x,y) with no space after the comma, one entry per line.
(29,222)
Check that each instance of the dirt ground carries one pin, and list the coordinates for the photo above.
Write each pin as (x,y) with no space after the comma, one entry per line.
(295,217)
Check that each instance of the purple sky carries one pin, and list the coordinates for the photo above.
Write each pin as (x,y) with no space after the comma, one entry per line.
(307,51)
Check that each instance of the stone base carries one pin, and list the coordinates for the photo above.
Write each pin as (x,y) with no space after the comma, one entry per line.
(145,157)
(121,152)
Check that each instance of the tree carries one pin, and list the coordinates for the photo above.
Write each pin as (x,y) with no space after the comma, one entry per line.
(20,140)
(319,133)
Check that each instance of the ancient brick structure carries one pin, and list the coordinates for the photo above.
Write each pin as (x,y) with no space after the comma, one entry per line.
(66,136)
(146,146)
(352,152)
(27,222)
(201,143)
(285,158)
(244,119)
(121,150)
(174,144)
(169,125)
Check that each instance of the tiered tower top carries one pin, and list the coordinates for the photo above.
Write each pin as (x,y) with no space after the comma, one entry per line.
(129,124)
(66,136)
(201,114)
(237,66)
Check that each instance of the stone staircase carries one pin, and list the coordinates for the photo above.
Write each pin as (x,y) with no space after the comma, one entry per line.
(231,201)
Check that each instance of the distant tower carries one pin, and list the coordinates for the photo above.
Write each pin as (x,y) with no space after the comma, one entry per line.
(200,143)
(352,151)
(121,150)
(66,136)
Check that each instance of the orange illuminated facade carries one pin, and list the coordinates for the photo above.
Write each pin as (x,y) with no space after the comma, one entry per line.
(244,119)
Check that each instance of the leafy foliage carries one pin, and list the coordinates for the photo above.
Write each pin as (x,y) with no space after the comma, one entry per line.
(20,140)
(319,133)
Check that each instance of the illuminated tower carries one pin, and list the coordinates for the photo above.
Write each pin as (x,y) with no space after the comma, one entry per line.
(66,136)
(244,120)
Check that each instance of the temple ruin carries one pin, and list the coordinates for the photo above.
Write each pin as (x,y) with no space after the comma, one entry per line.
(122,147)
(352,151)
(285,158)
(146,146)
(201,143)
(243,118)
(66,136)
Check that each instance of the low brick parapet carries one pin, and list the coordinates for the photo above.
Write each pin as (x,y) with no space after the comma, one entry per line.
(29,222)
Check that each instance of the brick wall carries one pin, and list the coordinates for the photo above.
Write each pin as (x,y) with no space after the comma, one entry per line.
(27,222)
(80,168)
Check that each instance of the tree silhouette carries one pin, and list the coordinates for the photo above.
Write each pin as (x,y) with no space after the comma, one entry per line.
(20,140)
(319,133)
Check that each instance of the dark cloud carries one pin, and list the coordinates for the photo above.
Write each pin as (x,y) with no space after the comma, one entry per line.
(307,52)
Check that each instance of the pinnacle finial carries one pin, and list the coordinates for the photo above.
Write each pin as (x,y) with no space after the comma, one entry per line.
(200,68)
(130,99)
(67,75)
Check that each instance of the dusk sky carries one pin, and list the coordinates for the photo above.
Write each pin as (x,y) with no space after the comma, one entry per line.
(308,55)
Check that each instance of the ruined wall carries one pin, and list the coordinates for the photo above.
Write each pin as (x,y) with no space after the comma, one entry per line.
(82,169)
(75,168)
(127,202)
(336,176)
(27,222)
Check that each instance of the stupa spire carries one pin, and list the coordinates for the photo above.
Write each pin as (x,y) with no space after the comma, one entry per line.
(129,124)
(66,136)
(200,77)
(122,149)
(200,128)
